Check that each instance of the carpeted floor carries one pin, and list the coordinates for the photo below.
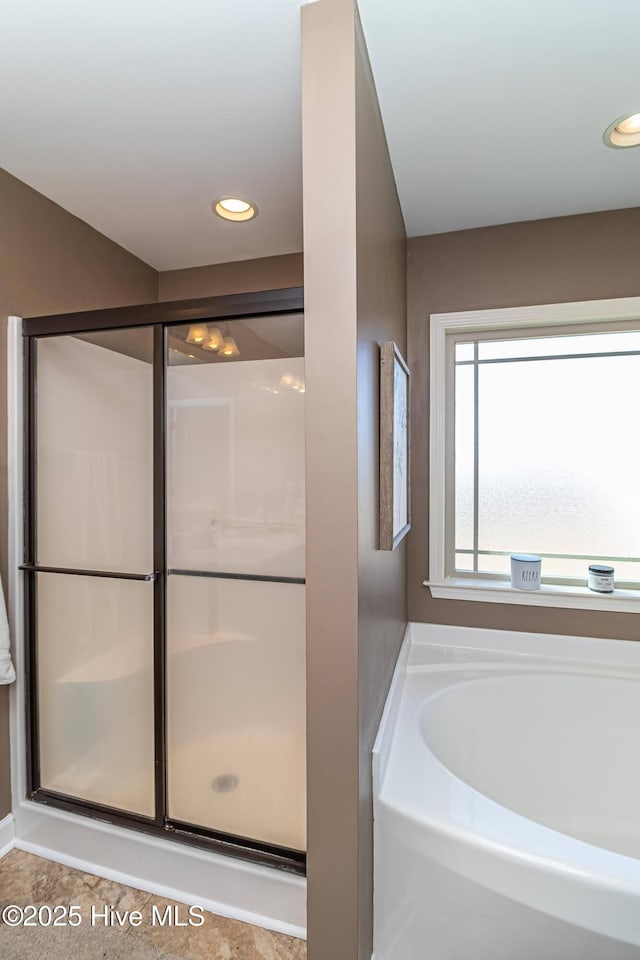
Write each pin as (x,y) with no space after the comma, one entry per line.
(25,879)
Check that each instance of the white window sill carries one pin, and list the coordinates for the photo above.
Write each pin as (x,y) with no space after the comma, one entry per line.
(549,595)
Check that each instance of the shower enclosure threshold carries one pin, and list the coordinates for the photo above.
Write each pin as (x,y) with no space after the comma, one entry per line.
(223,885)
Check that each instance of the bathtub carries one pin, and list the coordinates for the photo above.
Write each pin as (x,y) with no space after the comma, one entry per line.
(507,799)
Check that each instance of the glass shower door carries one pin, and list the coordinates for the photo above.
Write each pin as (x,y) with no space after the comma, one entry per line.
(92,562)
(235,591)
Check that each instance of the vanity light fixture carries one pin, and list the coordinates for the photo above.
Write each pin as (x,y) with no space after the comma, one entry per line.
(623,132)
(214,340)
(229,348)
(234,208)
(198,333)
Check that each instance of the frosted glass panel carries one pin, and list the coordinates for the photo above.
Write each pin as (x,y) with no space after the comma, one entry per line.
(95,686)
(623,340)
(235,470)
(94,451)
(501,564)
(236,707)
(464,434)
(464,352)
(559,467)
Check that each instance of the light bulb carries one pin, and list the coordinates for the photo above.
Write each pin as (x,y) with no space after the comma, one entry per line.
(623,132)
(234,208)
(233,205)
(629,125)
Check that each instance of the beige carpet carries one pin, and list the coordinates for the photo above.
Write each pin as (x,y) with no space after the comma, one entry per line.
(25,879)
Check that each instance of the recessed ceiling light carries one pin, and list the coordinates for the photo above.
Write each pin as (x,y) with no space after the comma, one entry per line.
(623,132)
(233,208)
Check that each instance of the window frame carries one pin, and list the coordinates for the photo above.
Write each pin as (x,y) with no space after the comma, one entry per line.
(555,319)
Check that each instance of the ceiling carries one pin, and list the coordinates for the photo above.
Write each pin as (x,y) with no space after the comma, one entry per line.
(495,109)
(135,114)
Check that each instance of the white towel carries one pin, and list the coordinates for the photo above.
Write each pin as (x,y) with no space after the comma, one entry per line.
(7,673)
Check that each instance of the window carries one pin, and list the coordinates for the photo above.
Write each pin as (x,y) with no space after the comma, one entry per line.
(534,450)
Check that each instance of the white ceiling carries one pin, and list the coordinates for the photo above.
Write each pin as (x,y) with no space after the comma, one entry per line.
(135,114)
(495,109)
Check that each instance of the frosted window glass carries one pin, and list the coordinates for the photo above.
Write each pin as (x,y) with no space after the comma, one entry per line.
(95,689)
(491,564)
(558,346)
(559,469)
(236,707)
(464,425)
(235,470)
(464,351)
(94,451)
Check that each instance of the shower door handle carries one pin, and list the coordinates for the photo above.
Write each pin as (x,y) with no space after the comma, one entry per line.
(72,571)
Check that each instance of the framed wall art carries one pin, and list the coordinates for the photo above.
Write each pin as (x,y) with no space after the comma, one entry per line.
(395,500)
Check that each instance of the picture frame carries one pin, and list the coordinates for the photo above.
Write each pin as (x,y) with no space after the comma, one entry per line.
(395,483)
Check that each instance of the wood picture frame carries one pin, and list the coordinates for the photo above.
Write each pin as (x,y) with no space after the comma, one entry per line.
(395,483)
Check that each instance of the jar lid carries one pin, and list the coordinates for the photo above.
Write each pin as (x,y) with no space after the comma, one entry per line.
(526,557)
(601,569)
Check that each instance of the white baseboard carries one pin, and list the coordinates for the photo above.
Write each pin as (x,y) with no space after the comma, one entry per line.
(7,834)
(231,888)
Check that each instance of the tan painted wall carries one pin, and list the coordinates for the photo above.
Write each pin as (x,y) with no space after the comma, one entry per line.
(356,596)
(51,262)
(329,165)
(587,257)
(241,276)
(382,575)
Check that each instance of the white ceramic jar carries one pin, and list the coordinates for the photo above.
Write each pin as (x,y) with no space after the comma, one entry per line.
(601,578)
(525,571)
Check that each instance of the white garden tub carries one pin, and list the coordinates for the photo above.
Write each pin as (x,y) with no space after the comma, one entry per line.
(507,799)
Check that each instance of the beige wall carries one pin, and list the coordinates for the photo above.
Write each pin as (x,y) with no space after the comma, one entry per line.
(382,575)
(587,257)
(356,606)
(328,165)
(51,262)
(241,276)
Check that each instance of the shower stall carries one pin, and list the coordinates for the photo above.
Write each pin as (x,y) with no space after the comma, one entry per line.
(164,570)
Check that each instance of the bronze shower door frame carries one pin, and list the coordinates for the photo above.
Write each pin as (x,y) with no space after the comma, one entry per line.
(158,317)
